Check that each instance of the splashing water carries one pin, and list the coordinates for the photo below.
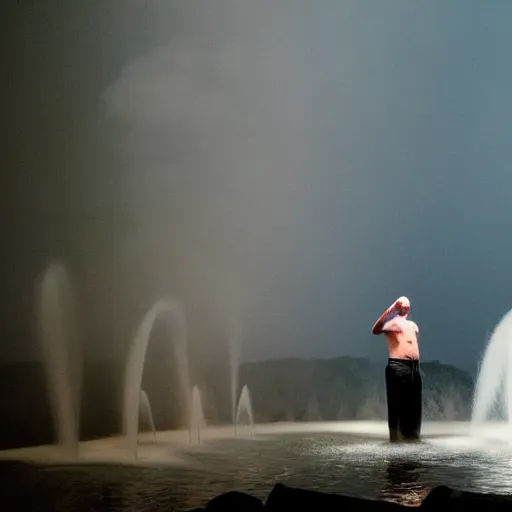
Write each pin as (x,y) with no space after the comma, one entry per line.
(234,352)
(135,364)
(495,376)
(61,355)
(197,417)
(146,413)
(245,405)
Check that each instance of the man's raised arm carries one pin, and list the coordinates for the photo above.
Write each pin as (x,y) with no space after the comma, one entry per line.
(389,326)
(384,324)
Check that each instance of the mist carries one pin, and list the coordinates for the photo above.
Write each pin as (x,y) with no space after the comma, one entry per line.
(284,169)
(217,138)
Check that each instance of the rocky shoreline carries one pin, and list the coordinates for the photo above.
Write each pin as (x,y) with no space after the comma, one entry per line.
(284,498)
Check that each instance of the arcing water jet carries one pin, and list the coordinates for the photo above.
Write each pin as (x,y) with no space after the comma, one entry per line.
(135,364)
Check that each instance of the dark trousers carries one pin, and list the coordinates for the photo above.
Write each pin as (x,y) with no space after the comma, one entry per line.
(404,395)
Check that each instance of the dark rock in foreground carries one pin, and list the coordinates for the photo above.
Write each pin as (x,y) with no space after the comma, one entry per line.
(461,500)
(290,498)
(233,502)
(284,498)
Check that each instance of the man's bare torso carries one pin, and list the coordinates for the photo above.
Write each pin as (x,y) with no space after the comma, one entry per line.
(401,334)
(402,337)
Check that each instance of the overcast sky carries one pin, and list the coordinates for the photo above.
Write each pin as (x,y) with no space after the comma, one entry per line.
(289,166)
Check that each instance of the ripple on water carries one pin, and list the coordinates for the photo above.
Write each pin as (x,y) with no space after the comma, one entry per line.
(330,462)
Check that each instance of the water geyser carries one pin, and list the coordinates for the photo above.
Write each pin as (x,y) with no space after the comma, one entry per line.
(245,405)
(495,376)
(146,414)
(234,353)
(61,355)
(196,416)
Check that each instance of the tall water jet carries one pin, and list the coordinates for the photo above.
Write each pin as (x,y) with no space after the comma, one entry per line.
(495,374)
(146,414)
(245,405)
(196,416)
(135,364)
(61,355)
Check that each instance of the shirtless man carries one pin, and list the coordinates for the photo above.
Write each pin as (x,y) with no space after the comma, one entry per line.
(403,379)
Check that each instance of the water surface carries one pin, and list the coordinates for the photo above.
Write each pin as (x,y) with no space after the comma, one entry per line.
(357,465)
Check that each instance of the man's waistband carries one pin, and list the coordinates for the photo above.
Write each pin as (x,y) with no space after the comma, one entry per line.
(411,363)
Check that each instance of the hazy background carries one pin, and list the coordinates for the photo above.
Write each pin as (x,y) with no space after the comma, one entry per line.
(288,166)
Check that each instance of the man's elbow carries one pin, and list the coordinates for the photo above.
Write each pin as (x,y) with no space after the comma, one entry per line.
(377,329)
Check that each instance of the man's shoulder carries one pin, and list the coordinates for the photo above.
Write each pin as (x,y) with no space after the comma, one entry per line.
(405,322)
(414,325)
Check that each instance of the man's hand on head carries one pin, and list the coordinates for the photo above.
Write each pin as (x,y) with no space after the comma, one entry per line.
(403,306)
(400,308)
(403,302)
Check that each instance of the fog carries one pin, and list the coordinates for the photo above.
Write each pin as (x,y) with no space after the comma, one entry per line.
(285,169)
(284,161)
(220,139)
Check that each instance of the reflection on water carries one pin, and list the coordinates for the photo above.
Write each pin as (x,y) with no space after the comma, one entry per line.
(327,461)
(403,483)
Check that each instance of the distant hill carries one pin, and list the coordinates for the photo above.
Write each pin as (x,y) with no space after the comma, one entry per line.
(282,390)
(347,388)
